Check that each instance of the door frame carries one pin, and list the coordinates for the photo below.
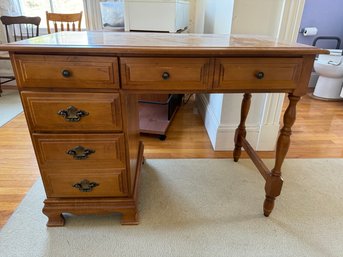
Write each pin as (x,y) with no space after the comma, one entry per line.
(291,20)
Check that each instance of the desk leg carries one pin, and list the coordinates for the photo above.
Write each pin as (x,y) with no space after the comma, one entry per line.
(274,181)
(241,131)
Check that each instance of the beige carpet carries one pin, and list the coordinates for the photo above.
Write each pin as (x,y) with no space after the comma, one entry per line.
(10,106)
(198,208)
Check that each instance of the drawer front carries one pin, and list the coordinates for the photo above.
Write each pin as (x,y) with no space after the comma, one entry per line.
(79,153)
(67,71)
(72,111)
(84,185)
(257,73)
(166,73)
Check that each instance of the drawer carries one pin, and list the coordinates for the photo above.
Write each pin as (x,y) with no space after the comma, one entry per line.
(166,73)
(67,71)
(77,153)
(91,112)
(257,73)
(84,185)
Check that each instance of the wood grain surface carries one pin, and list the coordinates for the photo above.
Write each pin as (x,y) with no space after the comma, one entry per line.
(159,43)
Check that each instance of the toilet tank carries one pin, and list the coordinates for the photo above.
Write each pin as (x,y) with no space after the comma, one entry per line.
(156,15)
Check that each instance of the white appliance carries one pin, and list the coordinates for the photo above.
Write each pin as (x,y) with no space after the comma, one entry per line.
(112,15)
(156,15)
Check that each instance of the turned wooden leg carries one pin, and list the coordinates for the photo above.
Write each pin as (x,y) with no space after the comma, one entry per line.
(130,217)
(274,181)
(241,131)
(56,219)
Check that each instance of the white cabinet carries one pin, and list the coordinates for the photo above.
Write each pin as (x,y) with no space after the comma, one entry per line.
(156,15)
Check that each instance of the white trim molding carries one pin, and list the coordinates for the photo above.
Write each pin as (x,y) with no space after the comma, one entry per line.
(222,134)
(210,120)
(92,14)
(291,20)
(270,124)
(263,121)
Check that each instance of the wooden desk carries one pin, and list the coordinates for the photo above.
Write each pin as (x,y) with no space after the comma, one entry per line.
(79,95)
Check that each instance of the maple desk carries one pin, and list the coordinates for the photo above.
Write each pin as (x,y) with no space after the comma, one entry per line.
(79,95)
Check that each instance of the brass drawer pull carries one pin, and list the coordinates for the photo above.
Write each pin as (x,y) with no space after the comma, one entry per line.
(85,185)
(259,75)
(66,73)
(165,75)
(72,114)
(80,153)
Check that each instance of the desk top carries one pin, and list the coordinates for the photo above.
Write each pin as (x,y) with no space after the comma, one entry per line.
(158,43)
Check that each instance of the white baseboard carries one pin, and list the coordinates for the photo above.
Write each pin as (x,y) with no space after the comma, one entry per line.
(267,137)
(210,121)
(261,138)
(226,135)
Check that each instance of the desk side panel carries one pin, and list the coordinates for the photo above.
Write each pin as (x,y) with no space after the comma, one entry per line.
(131,130)
(305,75)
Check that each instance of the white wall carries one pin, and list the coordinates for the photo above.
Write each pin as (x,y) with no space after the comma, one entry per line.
(197,16)
(221,114)
(6,8)
(262,17)
(210,109)
(212,17)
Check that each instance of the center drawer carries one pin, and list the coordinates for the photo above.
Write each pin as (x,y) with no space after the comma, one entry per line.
(166,73)
(67,112)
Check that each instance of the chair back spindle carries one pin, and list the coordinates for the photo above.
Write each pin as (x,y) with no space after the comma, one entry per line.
(18,27)
(64,22)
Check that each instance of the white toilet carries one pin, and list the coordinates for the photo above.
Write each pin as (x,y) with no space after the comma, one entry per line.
(329,67)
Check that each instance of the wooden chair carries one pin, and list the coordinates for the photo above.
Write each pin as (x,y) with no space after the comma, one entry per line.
(67,22)
(17,28)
